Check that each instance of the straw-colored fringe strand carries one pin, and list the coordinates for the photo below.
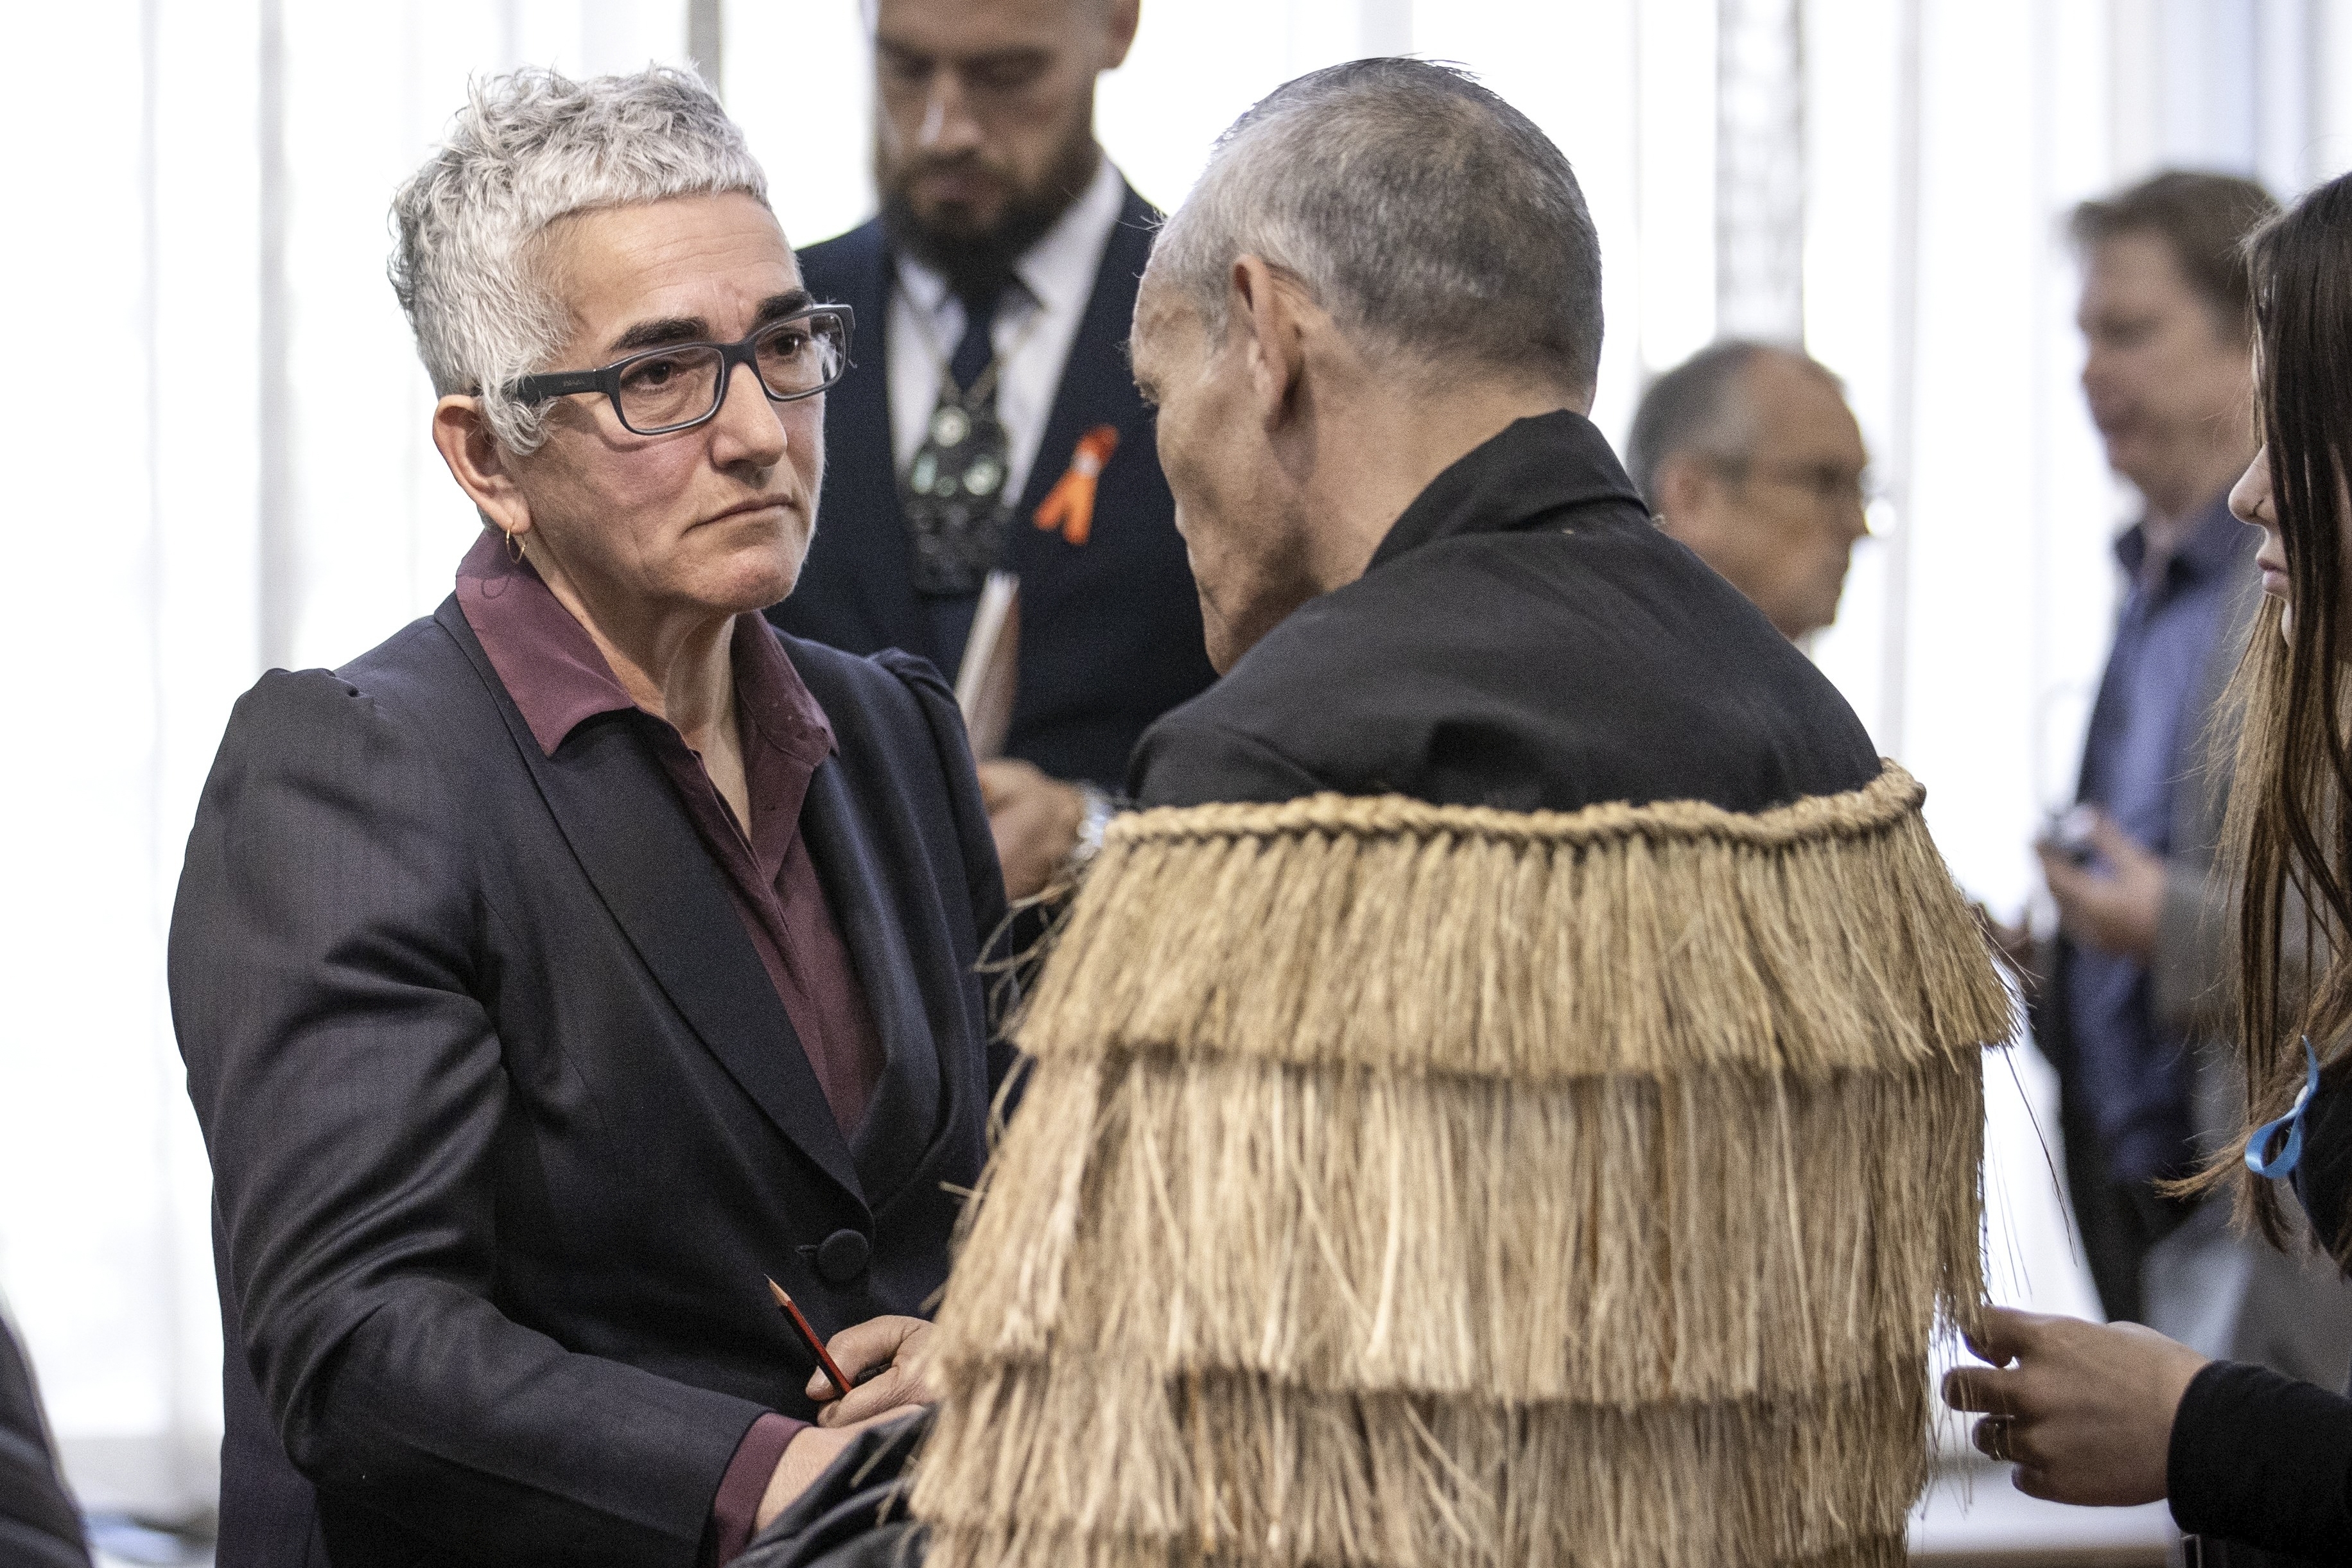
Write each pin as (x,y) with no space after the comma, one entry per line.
(1405,1185)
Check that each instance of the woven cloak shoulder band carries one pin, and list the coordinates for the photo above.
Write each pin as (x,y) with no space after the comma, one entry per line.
(1883,800)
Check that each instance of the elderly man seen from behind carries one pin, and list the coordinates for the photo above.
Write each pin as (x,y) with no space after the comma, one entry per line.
(1747,454)
(586,952)
(1513,1095)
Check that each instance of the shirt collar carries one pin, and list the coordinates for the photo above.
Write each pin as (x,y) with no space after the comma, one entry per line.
(1531,470)
(1058,270)
(2210,547)
(775,707)
(560,680)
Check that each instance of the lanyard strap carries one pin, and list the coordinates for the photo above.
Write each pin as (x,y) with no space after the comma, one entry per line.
(2274,1166)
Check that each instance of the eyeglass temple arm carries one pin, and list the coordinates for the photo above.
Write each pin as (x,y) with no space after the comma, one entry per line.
(555,384)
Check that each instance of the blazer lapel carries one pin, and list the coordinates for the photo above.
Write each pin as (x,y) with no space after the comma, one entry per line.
(1097,385)
(902,1116)
(1096,388)
(620,814)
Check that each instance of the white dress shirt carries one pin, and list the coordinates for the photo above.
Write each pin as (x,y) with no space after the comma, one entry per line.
(1034,333)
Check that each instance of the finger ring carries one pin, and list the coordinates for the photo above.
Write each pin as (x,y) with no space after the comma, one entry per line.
(1993,1437)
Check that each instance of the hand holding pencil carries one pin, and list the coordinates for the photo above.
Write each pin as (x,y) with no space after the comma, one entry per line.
(883,1359)
(867,1370)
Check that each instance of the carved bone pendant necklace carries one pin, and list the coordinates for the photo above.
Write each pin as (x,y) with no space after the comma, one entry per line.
(953,492)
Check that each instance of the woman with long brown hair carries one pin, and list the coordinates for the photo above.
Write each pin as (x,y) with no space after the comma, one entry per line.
(2116,1413)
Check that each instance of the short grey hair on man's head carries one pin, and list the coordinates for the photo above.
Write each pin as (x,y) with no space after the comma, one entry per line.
(1701,405)
(529,148)
(1432,220)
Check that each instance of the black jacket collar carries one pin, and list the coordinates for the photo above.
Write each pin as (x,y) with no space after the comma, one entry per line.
(1516,480)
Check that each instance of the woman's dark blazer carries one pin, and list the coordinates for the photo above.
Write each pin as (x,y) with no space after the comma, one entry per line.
(507,1120)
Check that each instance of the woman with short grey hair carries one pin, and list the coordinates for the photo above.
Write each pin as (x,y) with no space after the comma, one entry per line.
(553,972)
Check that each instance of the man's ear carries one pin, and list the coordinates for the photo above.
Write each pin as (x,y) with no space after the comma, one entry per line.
(1687,486)
(479,464)
(1264,307)
(1121,19)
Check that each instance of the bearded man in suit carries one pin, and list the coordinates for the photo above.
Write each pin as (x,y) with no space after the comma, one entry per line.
(995,425)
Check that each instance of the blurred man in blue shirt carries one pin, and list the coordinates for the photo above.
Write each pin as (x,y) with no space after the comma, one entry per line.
(2130,1006)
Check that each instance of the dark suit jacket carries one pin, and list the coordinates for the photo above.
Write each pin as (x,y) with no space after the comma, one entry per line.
(1110,630)
(507,1121)
(38,1526)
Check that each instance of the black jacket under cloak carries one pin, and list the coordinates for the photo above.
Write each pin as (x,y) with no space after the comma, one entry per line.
(1526,638)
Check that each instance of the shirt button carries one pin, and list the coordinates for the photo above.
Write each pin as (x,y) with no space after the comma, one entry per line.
(843,1256)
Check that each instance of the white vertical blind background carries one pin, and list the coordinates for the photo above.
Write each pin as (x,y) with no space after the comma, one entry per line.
(239,475)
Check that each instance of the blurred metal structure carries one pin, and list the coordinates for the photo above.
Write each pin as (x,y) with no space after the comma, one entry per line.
(2218,84)
(1899,444)
(706,41)
(1760,170)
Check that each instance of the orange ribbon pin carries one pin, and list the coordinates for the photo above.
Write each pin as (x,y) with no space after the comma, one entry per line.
(1070,504)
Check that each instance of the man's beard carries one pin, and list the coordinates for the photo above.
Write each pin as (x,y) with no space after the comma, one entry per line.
(978,263)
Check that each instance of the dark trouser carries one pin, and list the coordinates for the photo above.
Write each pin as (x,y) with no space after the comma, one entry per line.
(2119,1221)
(2131,1219)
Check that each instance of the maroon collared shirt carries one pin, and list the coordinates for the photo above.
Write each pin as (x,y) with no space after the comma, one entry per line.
(553,671)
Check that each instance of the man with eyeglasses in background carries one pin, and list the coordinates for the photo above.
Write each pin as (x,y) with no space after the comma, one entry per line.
(993,424)
(1747,454)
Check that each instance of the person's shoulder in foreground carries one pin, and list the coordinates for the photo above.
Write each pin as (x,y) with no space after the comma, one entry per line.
(38,1527)
(1524,639)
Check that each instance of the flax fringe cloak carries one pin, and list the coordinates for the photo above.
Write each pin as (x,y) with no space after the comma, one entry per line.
(1408,1185)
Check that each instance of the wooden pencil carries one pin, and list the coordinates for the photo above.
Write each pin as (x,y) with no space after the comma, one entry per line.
(808,1337)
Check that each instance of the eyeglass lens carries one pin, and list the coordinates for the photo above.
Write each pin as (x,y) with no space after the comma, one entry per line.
(674,388)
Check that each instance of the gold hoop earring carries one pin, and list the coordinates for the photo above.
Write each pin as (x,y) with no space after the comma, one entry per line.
(514,546)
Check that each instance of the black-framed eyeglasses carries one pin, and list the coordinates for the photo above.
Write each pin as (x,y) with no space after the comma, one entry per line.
(1829,484)
(682,385)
